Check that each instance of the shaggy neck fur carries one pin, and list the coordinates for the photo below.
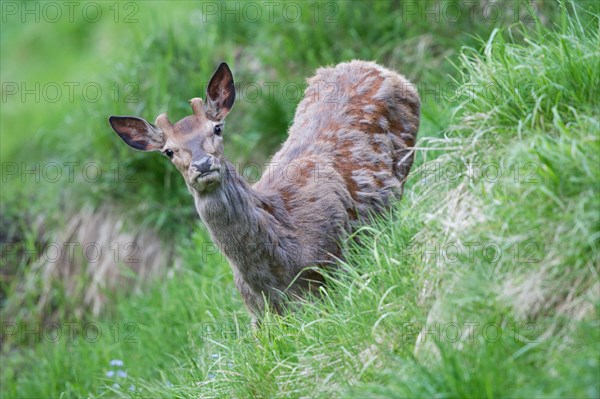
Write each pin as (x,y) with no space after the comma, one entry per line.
(253,231)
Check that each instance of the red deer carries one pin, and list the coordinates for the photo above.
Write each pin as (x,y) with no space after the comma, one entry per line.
(347,156)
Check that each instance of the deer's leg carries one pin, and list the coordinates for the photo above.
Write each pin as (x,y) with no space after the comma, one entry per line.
(253,301)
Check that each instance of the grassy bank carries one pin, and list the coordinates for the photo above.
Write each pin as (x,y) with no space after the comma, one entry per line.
(483,282)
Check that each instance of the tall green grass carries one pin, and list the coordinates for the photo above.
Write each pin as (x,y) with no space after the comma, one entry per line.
(406,315)
(167,63)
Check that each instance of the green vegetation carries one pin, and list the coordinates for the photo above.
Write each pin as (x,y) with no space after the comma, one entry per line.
(483,282)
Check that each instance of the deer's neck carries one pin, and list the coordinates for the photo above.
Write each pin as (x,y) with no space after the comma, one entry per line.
(250,229)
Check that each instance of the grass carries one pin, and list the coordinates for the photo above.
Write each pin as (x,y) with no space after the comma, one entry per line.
(165,71)
(483,282)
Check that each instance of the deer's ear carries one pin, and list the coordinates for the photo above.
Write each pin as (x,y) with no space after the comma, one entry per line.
(137,133)
(220,93)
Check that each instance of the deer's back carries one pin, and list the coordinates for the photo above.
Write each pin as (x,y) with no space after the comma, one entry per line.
(348,150)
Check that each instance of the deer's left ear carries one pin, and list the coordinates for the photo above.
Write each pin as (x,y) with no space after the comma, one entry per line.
(220,93)
(137,133)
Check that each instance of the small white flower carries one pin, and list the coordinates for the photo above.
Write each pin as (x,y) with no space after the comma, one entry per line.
(211,376)
(214,356)
(132,388)
(116,386)
(110,373)
(116,362)
(122,374)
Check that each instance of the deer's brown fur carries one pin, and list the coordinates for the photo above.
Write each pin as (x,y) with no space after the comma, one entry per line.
(347,156)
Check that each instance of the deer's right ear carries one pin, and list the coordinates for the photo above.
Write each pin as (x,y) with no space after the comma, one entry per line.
(138,133)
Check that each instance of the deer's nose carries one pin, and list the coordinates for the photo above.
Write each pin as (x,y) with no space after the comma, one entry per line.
(202,166)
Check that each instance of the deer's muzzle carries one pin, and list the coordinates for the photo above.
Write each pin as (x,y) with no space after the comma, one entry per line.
(204,173)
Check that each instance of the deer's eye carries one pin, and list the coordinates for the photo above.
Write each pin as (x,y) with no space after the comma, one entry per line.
(218,129)
(169,153)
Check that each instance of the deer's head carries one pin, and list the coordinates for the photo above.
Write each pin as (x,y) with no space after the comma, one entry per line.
(194,144)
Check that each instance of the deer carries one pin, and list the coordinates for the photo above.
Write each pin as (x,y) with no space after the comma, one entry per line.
(347,156)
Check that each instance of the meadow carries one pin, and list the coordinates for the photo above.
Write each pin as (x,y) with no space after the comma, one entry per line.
(483,281)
